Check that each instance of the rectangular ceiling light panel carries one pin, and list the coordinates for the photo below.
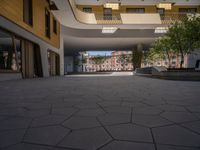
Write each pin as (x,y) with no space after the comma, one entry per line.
(109,30)
(166,6)
(114,6)
(161,30)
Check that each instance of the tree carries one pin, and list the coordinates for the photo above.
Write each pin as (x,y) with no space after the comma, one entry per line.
(192,32)
(137,58)
(185,36)
(162,47)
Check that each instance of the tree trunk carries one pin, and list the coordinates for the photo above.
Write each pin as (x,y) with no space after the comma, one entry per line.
(182,60)
(169,60)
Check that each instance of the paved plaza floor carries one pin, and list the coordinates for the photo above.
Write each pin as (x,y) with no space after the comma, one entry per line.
(99,113)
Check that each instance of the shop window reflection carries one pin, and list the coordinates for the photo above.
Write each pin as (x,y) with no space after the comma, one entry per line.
(10,52)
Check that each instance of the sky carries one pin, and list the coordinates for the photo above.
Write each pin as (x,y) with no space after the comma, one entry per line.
(100,53)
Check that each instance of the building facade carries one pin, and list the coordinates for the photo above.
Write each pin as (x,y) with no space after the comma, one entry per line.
(30,42)
(118,61)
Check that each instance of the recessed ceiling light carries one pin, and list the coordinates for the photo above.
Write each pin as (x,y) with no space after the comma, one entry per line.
(109,30)
(166,6)
(161,30)
(114,6)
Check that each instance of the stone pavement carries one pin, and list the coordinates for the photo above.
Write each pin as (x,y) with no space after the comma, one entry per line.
(99,113)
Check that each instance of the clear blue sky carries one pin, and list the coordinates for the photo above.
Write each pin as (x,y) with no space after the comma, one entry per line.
(101,53)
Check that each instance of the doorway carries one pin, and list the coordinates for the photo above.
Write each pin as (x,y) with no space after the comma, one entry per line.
(31,60)
(53,63)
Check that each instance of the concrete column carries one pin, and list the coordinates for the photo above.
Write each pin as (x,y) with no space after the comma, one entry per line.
(140,47)
(44,59)
(61,53)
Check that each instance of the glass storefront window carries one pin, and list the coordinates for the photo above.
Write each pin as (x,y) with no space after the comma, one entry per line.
(10,52)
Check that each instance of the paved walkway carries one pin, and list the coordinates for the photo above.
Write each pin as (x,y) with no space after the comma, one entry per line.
(99,113)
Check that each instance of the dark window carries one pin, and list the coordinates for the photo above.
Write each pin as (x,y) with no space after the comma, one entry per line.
(10,52)
(47,23)
(87,10)
(188,10)
(28,12)
(107,14)
(54,26)
(161,11)
(135,10)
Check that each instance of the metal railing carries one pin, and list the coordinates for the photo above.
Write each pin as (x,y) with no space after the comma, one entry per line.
(108,19)
(115,18)
(170,18)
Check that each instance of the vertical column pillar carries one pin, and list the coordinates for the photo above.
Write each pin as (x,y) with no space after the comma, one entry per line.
(44,59)
(61,55)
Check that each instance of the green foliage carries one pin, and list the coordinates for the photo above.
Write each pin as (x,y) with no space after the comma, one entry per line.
(161,49)
(182,38)
(137,58)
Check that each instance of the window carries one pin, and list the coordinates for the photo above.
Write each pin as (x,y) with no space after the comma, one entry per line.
(54,26)
(87,10)
(10,52)
(161,11)
(188,10)
(135,10)
(28,12)
(107,14)
(47,23)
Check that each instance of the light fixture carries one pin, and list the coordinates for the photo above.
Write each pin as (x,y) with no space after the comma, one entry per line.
(166,6)
(161,30)
(114,6)
(109,30)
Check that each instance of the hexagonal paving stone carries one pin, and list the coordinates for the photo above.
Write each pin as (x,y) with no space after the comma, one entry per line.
(46,135)
(28,147)
(89,139)
(111,119)
(109,103)
(179,117)
(90,112)
(64,104)
(48,120)
(3,118)
(84,105)
(64,111)
(11,137)
(118,109)
(122,145)
(133,104)
(171,108)
(130,132)
(195,126)
(149,121)
(15,123)
(37,106)
(176,135)
(165,147)
(81,122)
(147,110)
(36,113)
(194,108)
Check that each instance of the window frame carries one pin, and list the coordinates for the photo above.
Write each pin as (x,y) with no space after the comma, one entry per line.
(47,23)
(29,10)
